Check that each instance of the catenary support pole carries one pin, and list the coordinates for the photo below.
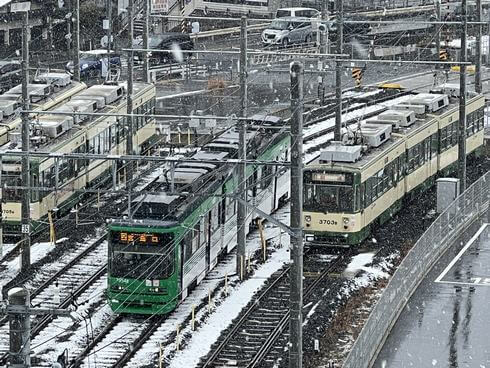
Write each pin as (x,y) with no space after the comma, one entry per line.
(462,105)
(109,38)
(323,50)
(488,40)
(129,136)
(242,150)
(338,70)
(26,192)
(478,77)
(439,28)
(20,325)
(296,277)
(146,35)
(76,40)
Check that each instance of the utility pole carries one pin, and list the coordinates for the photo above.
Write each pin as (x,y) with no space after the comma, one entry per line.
(478,79)
(76,41)
(129,137)
(296,276)
(19,313)
(338,70)
(146,66)
(109,38)
(242,152)
(439,28)
(323,32)
(462,104)
(26,192)
(488,35)
(68,18)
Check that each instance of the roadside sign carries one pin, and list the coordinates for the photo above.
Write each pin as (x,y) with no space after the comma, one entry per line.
(20,7)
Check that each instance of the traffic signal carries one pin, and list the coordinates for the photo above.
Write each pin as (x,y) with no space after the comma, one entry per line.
(443,55)
(357,76)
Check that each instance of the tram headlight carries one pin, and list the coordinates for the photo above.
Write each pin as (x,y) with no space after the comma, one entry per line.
(345,221)
(310,238)
(308,218)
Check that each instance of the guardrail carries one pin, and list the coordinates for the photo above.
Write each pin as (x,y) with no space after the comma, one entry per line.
(433,243)
(226,31)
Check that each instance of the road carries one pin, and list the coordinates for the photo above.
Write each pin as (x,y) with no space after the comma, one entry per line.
(445,323)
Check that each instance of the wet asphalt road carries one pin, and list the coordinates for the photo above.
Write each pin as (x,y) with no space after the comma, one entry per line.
(446,323)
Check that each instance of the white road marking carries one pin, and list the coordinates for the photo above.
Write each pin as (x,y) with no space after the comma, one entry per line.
(451,264)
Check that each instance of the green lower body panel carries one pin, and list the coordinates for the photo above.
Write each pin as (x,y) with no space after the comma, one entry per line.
(139,304)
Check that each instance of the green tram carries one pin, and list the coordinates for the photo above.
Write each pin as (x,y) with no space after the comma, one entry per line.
(174,239)
(355,185)
(58,182)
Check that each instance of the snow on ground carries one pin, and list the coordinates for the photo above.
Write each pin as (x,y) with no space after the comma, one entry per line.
(358,264)
(224,314)
(38,251)
(59,335)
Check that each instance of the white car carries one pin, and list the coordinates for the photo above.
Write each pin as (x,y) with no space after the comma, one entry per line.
(288,30)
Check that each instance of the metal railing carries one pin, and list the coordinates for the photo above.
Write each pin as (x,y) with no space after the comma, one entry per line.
(433,243)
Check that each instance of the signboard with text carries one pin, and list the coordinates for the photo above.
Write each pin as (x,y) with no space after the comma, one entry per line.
(159,6)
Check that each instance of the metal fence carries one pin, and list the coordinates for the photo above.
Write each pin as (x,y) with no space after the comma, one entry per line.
(433,243)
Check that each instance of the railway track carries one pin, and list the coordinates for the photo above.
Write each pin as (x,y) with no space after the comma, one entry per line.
(265,320)
(70,280)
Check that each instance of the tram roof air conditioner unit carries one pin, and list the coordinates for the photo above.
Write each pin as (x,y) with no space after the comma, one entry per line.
(336,152)
(110,93)
(432,102)
(55,125)
(36,90)
(57,79)
(90,99)
(404,118)
(9,108)
(417,109)
(376,134)
(82,106)
(394,123)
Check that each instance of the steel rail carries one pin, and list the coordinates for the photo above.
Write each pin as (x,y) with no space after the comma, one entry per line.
(264,349)
(85,352)
(144,336)
(67,301)
(243,319)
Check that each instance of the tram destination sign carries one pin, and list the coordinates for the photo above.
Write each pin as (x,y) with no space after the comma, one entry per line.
(139,238)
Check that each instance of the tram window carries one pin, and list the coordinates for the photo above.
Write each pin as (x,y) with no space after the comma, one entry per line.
(480,119)
(363,195)
(357,198)
(230,208)
(369,195)
(91,145)
(215,217)
(10,181)
(455,133)
(203,230)
(329,198)
(187,245)
(421,153)
(433,144)
(443,137)
(195,239)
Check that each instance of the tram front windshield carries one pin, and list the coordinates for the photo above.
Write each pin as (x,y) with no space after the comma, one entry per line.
(328,192)
(328,198)
(143,262)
